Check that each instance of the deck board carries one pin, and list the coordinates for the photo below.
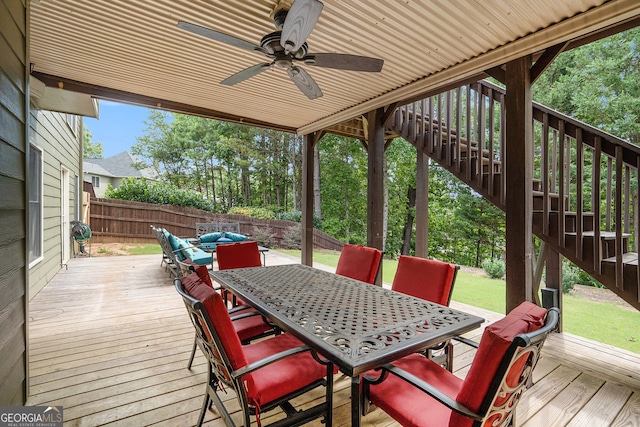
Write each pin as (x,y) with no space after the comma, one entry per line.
(110,339)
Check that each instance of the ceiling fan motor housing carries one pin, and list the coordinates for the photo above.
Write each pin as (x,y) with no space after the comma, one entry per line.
(272,47)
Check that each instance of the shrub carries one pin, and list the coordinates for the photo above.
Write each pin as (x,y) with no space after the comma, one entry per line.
(570,276)
(494,268)
(260,213)
(263,235)
(140,190)
(292,237)
(296,216)
(586,280)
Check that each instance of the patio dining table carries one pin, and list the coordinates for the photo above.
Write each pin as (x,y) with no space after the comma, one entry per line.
(355,325)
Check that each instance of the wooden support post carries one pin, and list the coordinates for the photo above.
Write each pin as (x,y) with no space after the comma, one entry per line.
(422,204)
(375,195)
(519,170)
(309,143)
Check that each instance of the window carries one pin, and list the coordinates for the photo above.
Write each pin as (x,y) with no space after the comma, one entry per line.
(35,204)
(72,121)
(95,181)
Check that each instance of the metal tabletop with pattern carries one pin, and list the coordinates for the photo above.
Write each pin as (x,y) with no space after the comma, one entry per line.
(356,325)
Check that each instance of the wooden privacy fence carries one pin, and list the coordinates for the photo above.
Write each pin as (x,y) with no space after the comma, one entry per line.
(123,221)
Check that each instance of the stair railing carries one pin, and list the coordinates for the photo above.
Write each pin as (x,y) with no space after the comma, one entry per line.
(584,178)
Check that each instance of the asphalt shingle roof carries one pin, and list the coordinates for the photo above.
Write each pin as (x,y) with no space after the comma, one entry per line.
(119,166)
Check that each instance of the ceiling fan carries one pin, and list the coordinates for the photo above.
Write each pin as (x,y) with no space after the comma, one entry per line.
(287,46)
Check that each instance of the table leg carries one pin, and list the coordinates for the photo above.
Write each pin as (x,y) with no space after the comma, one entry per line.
(356,407)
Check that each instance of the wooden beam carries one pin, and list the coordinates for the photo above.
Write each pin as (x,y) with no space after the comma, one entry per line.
(519,170)
(147,101)
(546,59)
(422,204)
(602,33)
(310,141)
(388,113)
(497,73)
(375,189)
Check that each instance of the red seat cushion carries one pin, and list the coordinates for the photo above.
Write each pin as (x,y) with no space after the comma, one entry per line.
(496,339)
(250,327)
(272,381)
(282,377)
(423,278)
(409,405)
(359,262)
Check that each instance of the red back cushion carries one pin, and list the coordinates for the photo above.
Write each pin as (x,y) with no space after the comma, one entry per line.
(238,255)
(202,270)
(496,339)
(213,304)
(359,262)
(427,279)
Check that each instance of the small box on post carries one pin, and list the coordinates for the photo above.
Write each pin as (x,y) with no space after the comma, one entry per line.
(549,298)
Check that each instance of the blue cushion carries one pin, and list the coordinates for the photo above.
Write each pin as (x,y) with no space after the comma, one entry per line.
(235,237)
(173,241)
(224,240)
(207,246)
(210,237)
(198,256)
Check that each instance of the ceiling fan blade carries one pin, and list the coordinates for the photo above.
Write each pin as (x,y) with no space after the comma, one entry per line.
(305,82)
(299,23)
(245,74)
(344,62)
(218,36)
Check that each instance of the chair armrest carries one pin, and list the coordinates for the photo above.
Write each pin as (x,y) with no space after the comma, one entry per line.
(427,388)
(268,360)
(466,341)
(245,315)
(238,308)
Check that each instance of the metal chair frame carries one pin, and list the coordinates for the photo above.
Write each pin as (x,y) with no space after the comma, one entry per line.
(220,372)
(185,269)
(524,345)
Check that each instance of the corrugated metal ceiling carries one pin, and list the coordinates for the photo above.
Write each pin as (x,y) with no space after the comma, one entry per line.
(135,47)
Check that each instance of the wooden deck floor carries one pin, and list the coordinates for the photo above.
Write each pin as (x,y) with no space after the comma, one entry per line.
(109,340)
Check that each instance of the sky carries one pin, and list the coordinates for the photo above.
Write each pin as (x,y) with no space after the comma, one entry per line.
(118,126)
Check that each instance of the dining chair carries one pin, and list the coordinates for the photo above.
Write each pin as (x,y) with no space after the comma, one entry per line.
(417,392)
(359,262)
(237,255)
(264,375)
(431,280)
(247,322)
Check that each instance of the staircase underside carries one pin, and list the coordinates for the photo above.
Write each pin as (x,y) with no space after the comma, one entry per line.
(576,234)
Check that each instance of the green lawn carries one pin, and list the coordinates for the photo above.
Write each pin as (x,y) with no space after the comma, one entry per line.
(145,249)
(599,321)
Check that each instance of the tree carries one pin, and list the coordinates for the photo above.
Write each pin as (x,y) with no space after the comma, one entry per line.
(343,193)
(90,149)
(162,149)
(598,83)
(481,225)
